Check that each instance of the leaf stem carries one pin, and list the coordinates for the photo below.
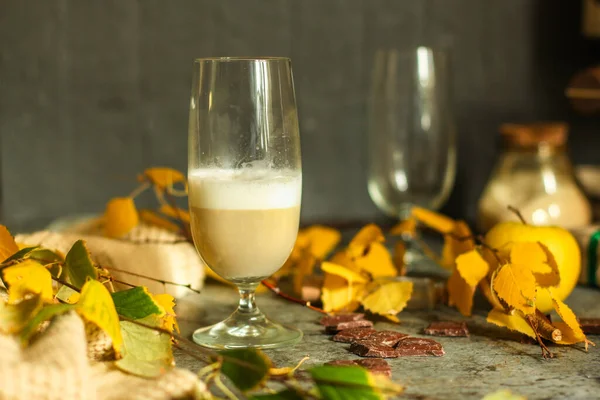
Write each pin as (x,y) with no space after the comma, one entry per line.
(518,214)
(139,190)
(164,282)
(67,284)
(275,289)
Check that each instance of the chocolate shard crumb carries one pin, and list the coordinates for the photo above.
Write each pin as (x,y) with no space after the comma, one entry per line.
(447,328)
(330,320)
(377,366)
(388,338)
(354,334)
(372,348)
(590,326)
(419,347)
(361,323)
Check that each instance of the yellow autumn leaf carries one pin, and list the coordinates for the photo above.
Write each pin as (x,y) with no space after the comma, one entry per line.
(388,299)
(321,240)
(303,267)
(8,247)
(572,332)
(460,293)
(408,227)
(433,220)
(28,277)
(514,322)
(167,303)
(342,258)
(515,285)
(338,295)
(457,242)
(96,306)
(536,257)
(175,212)
(472,267)
(377,261)
(150,217)
(120,217)
(368,235)
(163,177)
(343,272)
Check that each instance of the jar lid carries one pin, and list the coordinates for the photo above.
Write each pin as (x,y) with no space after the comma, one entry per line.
(531,135)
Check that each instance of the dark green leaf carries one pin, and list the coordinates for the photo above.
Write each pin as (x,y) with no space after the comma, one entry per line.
(146,352)
(283,395)
(79,264)
(344,383)
(247,368)
(135,303)
(20,254)
(45,314)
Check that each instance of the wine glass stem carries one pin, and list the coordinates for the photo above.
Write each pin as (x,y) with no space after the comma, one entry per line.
(247,303)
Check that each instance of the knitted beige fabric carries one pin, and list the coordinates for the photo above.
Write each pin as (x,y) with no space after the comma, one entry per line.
(155,253)
(55,366)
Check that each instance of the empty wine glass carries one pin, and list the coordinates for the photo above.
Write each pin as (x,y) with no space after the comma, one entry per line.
(245,184)
(412,151)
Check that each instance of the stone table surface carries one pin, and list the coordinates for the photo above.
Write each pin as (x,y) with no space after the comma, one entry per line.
(490,359)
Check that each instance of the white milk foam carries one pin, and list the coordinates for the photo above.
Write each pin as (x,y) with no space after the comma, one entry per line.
(244,189)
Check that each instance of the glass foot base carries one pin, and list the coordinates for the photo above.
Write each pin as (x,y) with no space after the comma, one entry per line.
(256,332)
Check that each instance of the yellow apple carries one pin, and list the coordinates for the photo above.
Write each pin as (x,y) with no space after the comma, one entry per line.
(559,241)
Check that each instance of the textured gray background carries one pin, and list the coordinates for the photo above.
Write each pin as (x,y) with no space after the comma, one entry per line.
(91,92)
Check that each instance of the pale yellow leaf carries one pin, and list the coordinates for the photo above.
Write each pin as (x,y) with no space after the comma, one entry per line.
(347,274)
(472,267)
(120,217)
(364,238)
(338,295)
(515,285)
(96,305)
(460,293)
(514,322)
(503,394)
(28,277)
(389,298)
(8,247)
(377,261)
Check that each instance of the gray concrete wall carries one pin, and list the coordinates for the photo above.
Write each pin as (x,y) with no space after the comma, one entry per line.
(91,92)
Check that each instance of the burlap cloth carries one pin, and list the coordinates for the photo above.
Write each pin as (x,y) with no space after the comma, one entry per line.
(55,366)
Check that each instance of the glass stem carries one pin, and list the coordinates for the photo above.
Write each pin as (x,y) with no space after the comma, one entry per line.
(247,303)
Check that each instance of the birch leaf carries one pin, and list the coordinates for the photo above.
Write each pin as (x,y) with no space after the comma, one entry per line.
(389,298)
(8,246)
(120,217)
(28,277)
(516,286)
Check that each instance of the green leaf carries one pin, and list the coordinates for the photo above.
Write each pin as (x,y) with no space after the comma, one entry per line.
(14,317)
(20,254)
(247,368)
(345,382)
(135,303)
(146,352)
(45,314)
(45,256)
(286,394)
(96,305)
(79,264)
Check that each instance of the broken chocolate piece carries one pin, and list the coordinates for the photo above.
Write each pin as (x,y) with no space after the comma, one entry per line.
(388,338)
(330,320)
(354,334)
(377,366)
(419,347)
(590,326)
(447,328)
(372,348)
(362,323)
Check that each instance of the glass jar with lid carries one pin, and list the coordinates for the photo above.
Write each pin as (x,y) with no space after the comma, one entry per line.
(534,175)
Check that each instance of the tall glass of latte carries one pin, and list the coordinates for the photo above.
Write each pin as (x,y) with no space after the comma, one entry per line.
(245,184)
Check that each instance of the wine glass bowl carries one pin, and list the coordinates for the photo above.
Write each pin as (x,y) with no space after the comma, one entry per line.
(245,185)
